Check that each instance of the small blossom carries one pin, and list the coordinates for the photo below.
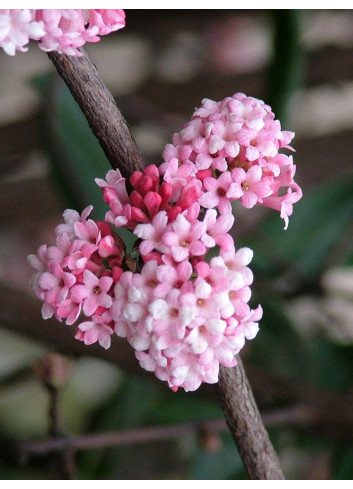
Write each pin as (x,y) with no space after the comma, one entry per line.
(250,186)
(185,238)
(93,292)
(219,192)
(99,329)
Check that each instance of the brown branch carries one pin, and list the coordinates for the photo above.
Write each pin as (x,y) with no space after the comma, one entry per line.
(116,438)
(245,424)
(101,111)
(152,434)
(111,130)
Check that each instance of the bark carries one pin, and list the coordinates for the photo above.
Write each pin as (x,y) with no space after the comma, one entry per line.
(245,424)
(99,107)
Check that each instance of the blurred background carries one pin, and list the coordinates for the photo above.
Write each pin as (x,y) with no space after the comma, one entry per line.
(159,68)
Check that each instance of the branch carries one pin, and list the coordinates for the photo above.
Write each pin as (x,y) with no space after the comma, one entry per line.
(245,424)
(101,111)
(110,128)
(117,438)
(150,434)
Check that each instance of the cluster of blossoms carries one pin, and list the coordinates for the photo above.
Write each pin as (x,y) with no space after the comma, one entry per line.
(185,314)
(233,146)
(61,30)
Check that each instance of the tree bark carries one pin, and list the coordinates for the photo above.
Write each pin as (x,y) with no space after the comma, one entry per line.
(245,424)
(99,107)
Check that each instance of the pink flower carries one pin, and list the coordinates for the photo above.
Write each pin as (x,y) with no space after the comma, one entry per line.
(257,143)
(214,274)
(68,310)
(284,203)
(173,277)
(57,284)
(99,329)
(236,134)
(147,279)
(219,192)
(88,235)
(183,316)
(71,217)
(250,323)
(105,20)
(152,234)
(203,301)
(236,262)
(251,186)
(169,314)
(185,238)
(205,333)
(176,175)
(93,292)
(217,230)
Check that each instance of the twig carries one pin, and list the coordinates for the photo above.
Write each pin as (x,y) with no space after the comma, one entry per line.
(53,373)
(116,438)
(297,414)
(110,128)
(101,111)
(245,424)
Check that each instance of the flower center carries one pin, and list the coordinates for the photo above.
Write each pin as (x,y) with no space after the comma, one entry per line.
(245,186)
(221,192)
(185,244)
(97,290)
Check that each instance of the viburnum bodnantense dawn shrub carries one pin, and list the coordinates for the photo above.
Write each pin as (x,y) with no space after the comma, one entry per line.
(184,314)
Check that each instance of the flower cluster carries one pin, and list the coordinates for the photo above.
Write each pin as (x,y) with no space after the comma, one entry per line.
(234,144)
(77,274)
(181,298)
(61,30)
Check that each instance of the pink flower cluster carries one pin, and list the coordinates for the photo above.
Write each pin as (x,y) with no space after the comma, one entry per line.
(234,144)
(181,298)
(61,30)
(77,275)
